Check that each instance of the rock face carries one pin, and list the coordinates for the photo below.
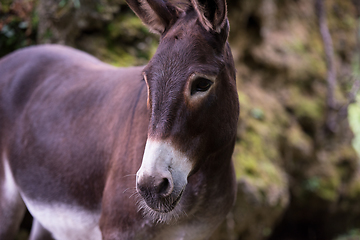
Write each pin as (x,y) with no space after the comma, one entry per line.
(107,29)
(296,179)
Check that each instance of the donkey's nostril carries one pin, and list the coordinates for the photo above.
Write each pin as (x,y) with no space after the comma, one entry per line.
(164,187)
(154,187)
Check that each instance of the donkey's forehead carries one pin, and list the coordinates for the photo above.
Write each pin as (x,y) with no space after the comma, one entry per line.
(188,45)
(184,57)
(188,25)
(186,48)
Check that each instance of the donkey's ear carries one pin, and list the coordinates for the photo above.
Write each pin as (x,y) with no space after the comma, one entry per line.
(158,15)
(212,13)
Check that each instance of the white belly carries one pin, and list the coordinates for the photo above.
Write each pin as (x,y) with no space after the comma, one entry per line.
(66,222)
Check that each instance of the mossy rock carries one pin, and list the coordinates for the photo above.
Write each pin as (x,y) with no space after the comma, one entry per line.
(353,234)
(304,105)
(262,183)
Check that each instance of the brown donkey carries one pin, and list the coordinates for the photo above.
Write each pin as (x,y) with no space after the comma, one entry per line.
(98,152)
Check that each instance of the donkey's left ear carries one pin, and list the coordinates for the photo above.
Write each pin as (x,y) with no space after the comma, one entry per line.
(158,15)
(212,13)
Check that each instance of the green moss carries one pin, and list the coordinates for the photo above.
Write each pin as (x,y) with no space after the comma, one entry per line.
(353,234)
(253,160)
(243,99)
(341,18)
(304,50)
(334,175)
(324,187)
(316,66)
(256,155)
(354,189)
(117,57)
(328,189)
(297,139)
(136,46)
(306,106)
(126,25)
(260,173)
(324,181)
(346,163)
(297,46)
(5,8)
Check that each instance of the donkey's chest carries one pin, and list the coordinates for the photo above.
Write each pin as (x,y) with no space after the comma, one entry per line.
(186,231)
(67,222)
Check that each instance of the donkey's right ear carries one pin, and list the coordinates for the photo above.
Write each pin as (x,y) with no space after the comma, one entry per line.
(212,13)
(156,14)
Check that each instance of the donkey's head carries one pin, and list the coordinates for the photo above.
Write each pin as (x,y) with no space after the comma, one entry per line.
(191,96)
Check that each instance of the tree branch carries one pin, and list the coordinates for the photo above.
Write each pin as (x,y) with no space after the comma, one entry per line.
(330,63)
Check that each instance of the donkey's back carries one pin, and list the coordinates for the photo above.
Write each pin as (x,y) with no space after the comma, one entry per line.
(58,68)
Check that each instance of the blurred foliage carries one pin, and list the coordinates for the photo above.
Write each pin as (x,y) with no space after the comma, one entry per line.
(354,108)
(353,234)
(18,25)
(128,41)
(354,120)
(107,29)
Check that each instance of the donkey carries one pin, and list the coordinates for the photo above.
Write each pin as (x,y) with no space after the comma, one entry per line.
(98,152)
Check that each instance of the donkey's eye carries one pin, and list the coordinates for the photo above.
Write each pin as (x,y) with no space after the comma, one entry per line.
(200,85)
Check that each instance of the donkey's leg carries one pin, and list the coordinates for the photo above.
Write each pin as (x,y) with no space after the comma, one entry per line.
(38,232)
(12,208)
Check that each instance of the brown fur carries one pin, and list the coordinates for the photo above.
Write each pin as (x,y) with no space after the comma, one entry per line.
(74,129)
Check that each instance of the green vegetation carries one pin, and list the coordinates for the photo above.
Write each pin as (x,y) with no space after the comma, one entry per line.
(353,234)
(18,25)
(354,120)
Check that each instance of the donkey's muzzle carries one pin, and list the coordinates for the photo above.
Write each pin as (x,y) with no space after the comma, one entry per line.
(158,192)
(155,186)
(162,176)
